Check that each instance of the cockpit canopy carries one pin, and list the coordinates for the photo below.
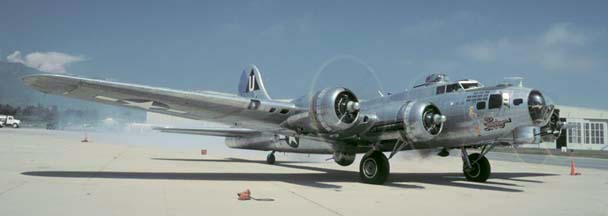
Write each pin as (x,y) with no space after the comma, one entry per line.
(444,85)
(469,84)
(458,86)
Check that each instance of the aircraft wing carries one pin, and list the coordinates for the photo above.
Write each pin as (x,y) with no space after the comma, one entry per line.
(211,106)
(222,132)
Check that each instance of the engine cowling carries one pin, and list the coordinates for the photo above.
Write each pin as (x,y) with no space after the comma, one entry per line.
(334,109)
(422,121)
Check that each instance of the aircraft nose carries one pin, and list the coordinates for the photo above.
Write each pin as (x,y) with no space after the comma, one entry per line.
(536,99)
(536,106)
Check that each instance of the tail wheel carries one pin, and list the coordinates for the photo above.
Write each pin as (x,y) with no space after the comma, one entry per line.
(374,168)
(480,168)
(15,126)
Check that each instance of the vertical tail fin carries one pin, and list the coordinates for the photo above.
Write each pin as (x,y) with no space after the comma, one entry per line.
(251,84)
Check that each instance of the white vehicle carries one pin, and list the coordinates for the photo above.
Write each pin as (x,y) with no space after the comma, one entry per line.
(9,121)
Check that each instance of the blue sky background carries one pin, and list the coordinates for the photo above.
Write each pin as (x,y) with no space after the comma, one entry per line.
(557,46)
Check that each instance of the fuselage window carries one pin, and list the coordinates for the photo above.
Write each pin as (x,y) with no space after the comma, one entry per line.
(481,105)
(440,89)
(495,101)
(518,101)
(453,87)
(470,85)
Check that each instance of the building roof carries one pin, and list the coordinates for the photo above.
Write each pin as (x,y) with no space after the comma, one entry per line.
(580,112)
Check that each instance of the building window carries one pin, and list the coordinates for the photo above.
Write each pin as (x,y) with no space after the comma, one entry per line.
(574,132)
(587,133)
(594,133)
(597,133)
(578,132)
(601,134)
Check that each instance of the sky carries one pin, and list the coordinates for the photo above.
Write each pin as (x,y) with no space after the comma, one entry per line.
(558,47)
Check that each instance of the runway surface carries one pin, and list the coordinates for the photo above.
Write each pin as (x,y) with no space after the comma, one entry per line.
(580,162)
(53,173)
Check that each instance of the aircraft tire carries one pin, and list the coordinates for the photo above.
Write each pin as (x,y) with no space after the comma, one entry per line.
(15,126)
(374,168)
(270,159)
(480,171)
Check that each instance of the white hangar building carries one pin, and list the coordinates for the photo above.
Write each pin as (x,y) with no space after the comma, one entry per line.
(587,129)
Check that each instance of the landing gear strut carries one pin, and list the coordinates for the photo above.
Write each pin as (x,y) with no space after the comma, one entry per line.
(270,158)
(374,168)
(476,166)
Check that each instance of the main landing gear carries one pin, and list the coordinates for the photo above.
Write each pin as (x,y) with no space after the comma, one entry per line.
(270,159)
(374,168)
(476,166)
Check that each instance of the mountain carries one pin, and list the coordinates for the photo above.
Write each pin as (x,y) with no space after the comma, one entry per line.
(12,89)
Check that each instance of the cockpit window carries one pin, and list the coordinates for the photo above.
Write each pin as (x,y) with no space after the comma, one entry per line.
(470,85)
(495,101)
(440,89)
(453,87)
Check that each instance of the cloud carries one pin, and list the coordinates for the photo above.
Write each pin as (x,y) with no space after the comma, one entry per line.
(561,48)
(51,62)
(485,51)
(562,33)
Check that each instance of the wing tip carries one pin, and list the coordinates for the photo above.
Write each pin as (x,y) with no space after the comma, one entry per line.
(48,83)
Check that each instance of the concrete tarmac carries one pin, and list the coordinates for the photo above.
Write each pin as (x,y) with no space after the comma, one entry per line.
(580,162)
(53,173)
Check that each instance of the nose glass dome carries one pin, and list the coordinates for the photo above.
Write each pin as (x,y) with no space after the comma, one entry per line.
(536,104)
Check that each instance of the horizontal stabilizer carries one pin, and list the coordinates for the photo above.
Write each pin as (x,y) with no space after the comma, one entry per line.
(222,132)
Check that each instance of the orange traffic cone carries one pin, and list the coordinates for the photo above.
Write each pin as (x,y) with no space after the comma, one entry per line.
(573,169)
(245,195)
(86,139)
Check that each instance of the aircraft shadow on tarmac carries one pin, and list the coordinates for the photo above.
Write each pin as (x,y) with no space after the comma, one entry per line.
(325,179)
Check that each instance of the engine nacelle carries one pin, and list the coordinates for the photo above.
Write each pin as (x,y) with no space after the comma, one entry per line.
(333,110)
(422,121)
(343,158)
(553,129)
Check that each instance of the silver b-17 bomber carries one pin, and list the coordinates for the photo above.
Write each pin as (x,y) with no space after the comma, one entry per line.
(437,114)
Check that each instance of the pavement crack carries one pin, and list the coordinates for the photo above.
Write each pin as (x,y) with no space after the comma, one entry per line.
(12,188)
